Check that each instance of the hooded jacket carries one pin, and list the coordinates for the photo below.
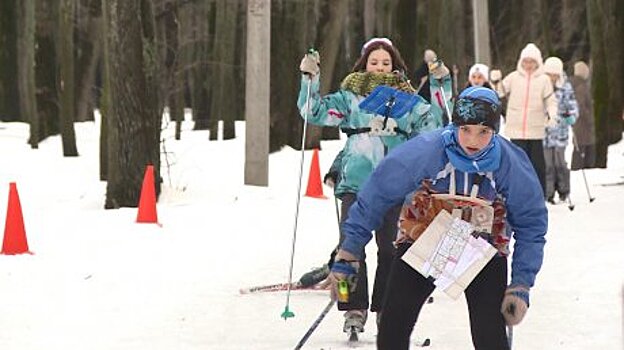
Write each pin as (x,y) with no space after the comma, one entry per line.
(402,172)
(584,129)
(558,135)
(531,100)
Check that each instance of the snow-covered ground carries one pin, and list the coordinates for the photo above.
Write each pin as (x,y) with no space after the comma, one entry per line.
(98,280)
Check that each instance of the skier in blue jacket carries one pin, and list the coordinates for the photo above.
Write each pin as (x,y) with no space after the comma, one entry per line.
(470,163)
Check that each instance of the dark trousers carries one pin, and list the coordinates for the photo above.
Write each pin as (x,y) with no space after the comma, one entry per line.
(535,150)
(408,290)
(557,172)
(384,237)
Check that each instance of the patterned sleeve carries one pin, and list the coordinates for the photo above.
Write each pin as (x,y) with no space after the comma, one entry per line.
(569,104)
(427,117)
(441,93)
(329,110)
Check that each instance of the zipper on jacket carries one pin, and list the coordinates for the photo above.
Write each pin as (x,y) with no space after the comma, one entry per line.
(526,106)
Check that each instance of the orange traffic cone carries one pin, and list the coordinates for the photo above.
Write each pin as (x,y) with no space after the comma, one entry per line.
(315,189)
(14,233)
(147,202)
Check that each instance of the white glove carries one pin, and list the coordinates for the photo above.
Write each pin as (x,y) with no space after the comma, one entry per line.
(310,63)
(552,122)
(438,69)
(495,76)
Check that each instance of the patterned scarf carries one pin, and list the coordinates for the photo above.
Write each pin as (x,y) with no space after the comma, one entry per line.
(362,83)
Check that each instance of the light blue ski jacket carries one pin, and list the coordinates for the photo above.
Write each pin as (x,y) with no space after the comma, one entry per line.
(363,152)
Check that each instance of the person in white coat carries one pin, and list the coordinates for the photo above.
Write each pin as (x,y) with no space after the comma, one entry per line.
(531,106)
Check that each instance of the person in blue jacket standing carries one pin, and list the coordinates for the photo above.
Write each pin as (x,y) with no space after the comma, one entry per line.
(370,138)
(476,168)
(557,137)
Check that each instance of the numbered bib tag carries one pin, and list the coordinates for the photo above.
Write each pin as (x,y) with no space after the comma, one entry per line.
(482,219)
(377,127)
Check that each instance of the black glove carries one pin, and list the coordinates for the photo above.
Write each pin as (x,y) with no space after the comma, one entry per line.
(331,179)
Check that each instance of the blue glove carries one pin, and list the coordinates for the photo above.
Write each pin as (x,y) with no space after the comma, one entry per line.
(569,119)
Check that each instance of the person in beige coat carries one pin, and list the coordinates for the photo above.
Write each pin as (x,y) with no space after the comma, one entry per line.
(583,156)
(531,106)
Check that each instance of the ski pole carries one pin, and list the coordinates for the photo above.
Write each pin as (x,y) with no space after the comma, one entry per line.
(446,107)
(337,214)
(510,336)
(315,324)
(570,204)
(287,313)
(578,149)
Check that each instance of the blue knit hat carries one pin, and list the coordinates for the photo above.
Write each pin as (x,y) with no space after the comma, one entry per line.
(477,106)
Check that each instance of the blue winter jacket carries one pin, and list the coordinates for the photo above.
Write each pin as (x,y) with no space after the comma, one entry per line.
(401,173)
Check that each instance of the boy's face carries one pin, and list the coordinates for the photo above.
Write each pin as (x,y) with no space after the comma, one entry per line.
(473,138)
(379,61)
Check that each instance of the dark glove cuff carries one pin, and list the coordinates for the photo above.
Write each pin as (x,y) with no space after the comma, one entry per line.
(345,267)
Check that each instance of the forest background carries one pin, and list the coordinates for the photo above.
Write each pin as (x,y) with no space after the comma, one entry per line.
(60,60)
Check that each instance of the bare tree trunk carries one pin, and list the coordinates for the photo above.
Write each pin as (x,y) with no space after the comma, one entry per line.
(26,67)
(369,18)
(65,52)
(47,68)
(200,77)
(134,117)
(89,50)
(606,35)
(173,92)
(9,91)
(226,96)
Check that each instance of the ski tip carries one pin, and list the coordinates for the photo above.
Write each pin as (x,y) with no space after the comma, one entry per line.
(353,337)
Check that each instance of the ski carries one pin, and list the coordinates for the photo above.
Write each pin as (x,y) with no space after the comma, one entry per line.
(353,336)
(277,288)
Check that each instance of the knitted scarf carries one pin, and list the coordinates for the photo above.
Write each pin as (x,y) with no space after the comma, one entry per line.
(487,159)
(362,83)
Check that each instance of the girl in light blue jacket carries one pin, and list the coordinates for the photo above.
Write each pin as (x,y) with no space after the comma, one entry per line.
(370,138)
